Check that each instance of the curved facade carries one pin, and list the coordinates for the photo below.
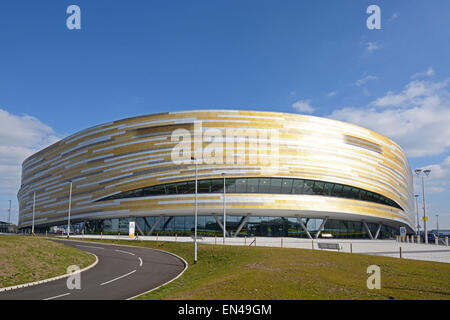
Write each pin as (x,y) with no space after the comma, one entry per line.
(275,165)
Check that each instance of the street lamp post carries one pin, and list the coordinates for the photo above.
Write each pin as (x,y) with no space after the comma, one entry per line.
(9,212)
(437,225)
(417,212)
(224,209)
(196,212)
(420,172)
(34,205)
(70,204)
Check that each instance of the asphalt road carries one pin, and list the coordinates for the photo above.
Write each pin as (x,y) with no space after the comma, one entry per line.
(122,272)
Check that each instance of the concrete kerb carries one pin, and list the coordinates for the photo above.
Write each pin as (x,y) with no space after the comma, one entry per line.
(29,284)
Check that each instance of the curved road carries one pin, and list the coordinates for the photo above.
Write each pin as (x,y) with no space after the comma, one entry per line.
(122,272)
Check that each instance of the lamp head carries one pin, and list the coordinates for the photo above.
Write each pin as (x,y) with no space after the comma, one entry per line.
(418,171)
(427,172)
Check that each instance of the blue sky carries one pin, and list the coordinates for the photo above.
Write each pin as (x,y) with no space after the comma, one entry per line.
(140,57)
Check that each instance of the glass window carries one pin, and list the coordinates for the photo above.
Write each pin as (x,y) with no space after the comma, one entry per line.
(286,186)
(241,185)
(347,192)
(217,185)
(190,187)
(318,188)
(171,188)
(275,185)
(297,186)
(182,187)
(327,188)
(264,185)
(363,195)
(259,185)
(204,186)
(231,185)
(252,186)
(355,193)
(308,187)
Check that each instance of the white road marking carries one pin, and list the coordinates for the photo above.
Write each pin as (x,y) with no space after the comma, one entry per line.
(118,278)
(61,295)
(125,252)
(89,247)
(140,262)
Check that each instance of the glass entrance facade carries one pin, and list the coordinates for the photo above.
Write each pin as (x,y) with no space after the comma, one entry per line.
(255,226)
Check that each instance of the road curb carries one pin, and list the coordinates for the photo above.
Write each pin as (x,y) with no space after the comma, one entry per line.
(29,284)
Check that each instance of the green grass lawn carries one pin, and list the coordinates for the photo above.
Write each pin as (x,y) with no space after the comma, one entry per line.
(28,259)
(238,272)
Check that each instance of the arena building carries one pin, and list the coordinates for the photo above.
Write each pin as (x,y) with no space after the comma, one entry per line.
(285,175)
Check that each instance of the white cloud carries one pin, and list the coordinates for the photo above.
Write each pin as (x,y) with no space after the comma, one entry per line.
(439,179)
(332,93)
(20,136)
(362,81)
(372,46)
(428,73)
(303,106)
(418,118)
(416,93)
(394,16)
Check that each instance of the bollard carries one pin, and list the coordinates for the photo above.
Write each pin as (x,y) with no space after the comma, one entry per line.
(101,235)
(215,239)
(446,241)
(118,236)
(281,242)
(436,240)
(156,237)
(312,244)
(400,252)
(255,241)
(418,239)
(176,237)
(351,247)
(46,233)
(245,241)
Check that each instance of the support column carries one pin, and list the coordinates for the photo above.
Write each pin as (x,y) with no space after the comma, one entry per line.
(321,227)
(220,223)
(241,225)
(155,225)
(367,229)
(136,224)
(299,219)
(378,231)
(82,227)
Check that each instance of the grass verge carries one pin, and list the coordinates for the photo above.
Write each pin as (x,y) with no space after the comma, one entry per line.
(238,272)
(28,259)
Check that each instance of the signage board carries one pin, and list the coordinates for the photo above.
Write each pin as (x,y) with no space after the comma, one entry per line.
(131,229)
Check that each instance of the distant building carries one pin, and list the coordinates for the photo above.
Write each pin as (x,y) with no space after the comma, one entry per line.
(6,227)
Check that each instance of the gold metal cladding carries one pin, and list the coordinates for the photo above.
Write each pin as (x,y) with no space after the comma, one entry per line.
(137,152)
